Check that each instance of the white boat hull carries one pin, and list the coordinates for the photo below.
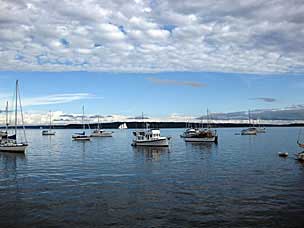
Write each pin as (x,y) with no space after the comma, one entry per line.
(192,139)
(156,143)
(13,149)
(103,134)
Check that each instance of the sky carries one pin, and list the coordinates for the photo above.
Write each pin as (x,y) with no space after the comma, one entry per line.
(169,59)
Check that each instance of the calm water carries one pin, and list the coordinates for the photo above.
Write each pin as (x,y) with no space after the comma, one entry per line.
(241,182)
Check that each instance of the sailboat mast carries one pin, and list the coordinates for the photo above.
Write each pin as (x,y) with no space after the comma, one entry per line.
(249,117)
(16,108)
(83,127)
(6,116)
(50,120)
(98,122)
(207,118)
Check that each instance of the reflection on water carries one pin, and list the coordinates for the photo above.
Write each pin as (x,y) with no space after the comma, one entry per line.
(240,182)
(151,153)
(204,146)
(9,161)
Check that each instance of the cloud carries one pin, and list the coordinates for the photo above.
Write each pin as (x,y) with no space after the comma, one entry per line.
(175,82)
(265,99)
(259,36)
(55,99)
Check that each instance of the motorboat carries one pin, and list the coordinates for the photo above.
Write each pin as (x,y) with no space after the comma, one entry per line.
(189,132)
(150,137)
(283,154)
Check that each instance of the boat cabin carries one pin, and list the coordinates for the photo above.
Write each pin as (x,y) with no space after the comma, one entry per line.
(147,134)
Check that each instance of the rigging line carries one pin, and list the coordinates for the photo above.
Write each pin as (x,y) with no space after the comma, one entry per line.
(22,119)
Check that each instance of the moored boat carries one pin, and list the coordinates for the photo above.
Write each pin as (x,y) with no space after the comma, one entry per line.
(189,132)
(249,131)
(10,143)
(283,154)
(49,131)
(101,133)
(150,137)
(81,136)
(202,135)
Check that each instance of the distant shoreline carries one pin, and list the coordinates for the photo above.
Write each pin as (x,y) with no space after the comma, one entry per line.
(138,125)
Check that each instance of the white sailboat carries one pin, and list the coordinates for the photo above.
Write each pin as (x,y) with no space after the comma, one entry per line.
(49,131)
(10,144)
(81,136)
(101,133)
(259,128)
(251,130)
(123,126)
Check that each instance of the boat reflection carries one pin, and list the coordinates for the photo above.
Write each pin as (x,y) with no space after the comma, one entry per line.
(9,161)
(151,153)
(201,145)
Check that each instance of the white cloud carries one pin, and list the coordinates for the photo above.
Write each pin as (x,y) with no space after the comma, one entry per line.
(150,36)
(50,99)
(55,99)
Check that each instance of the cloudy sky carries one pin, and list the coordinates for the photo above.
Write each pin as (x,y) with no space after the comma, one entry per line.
(164,58)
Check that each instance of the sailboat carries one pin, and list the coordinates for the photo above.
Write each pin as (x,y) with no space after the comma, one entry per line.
(201,135)
(123,126)
(10,144)
(259,128)
(101,133)
(81,136)
(251,130)
(49,131)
